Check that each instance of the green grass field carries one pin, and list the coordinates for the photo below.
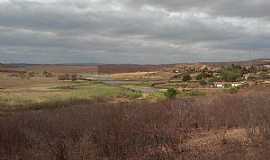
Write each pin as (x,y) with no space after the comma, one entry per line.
(20,97)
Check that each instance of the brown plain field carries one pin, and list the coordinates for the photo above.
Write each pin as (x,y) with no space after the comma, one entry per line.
(45,118)
(70,69)
(56,68)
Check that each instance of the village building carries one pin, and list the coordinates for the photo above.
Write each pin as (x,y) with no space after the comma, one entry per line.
(219,85)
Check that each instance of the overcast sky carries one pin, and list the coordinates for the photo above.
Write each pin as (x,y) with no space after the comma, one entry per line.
(133,31)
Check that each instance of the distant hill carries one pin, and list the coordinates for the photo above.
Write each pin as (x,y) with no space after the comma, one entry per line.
(124,68)
(114,68)
(55,68)
(248,62)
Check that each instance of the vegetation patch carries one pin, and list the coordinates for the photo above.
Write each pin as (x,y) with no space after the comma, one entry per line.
(190,93)
(72,92)
(223,127)
(156,97)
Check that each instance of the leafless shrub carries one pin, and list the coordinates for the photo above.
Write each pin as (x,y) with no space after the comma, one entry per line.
(74,77)
(135,131)
(258,111)
(64,77)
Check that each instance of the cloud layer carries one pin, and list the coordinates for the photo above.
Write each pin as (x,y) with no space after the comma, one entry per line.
(129,31)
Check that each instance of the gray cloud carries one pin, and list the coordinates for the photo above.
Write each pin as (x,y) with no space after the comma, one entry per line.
(239,8)
(125,31)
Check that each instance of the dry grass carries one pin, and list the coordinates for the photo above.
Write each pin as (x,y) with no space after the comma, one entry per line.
(7,82)
(142,76)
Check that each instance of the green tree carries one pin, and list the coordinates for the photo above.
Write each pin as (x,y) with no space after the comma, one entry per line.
(199,76)
(204,75)
(171,93)
(231,75)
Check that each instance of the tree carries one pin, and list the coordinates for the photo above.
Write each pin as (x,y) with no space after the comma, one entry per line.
(199,76)
(171,93)
(203,82)
(204,75)
(178,76)
(232,73)
(229,75)
(186,77)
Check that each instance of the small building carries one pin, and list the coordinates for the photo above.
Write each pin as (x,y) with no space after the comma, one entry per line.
(237,84)
(219,85)
(230,84)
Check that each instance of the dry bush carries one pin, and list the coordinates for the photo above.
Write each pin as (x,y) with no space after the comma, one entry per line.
(139,131)
(64,77)
(100,131)
(258,117)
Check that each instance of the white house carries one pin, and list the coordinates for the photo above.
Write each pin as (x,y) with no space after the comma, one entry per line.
(219,85)
(236,84)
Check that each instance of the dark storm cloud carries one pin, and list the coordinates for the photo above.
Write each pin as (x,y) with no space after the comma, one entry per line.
(127,31)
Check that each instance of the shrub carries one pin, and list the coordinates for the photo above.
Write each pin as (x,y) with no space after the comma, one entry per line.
(133,94)
(22,75)
(203,75)
(30,75)
(47,74)
(199,76)
(178,76)
(203,82)
(140,131)
(228,85)
(156,97)
(233,90)
(64,77)
(171,93)
(74,77)
(115,132)
(186,77)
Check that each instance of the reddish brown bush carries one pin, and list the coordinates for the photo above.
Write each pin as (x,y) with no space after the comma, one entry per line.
(135,131)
